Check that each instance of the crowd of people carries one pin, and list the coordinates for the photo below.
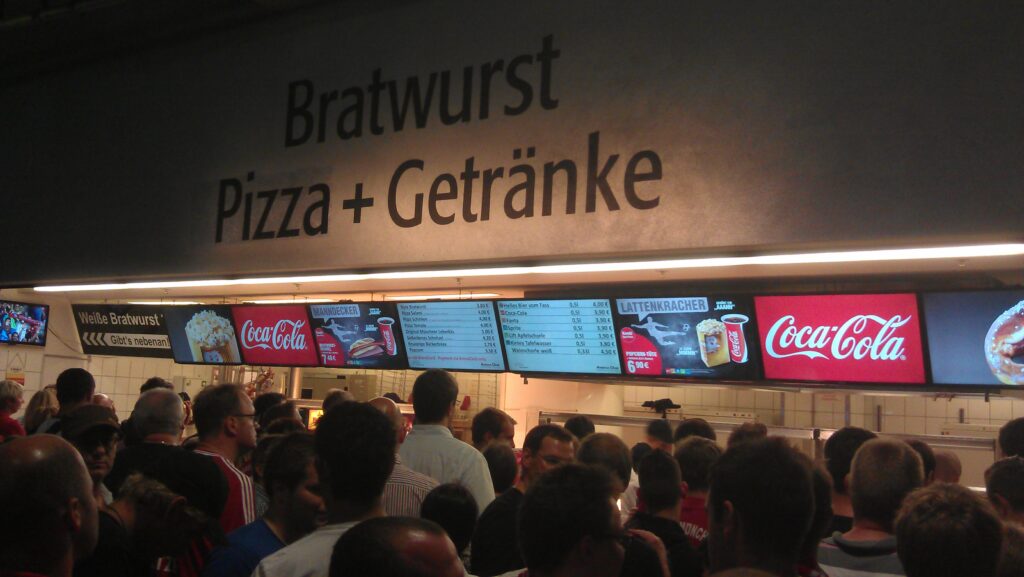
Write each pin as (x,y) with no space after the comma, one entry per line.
(254,493)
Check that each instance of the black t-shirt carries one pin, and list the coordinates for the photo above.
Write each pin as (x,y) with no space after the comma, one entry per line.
(194,477)
(640,560)
(683,561)
(495,548)
(841,524)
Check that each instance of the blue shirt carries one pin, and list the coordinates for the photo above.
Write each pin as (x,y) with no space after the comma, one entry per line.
(247,546)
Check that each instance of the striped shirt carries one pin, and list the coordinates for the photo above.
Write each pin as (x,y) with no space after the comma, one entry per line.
(840,557)
(405,491)
(240,508)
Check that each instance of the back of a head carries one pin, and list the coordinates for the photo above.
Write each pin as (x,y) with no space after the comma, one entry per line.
(75,386)
(501,462)
(158,411)
(839,451)
(580,425)
(336,397)
(882,474)
(489,421)
(155,383)
(637,454)
(770,488)
(694,427)
(946,530)
(285,410)
(1011,438)
(287,462)
(213,405)
(265,401)
(377,548)
(561,508)
(947,467)
(433,395)
(1004,484)
(355,447)
(696,456)
(659,430)
(10,391)
(747,432)
(607,451)
(927,455)
(40,474)
(821,486)
(41,406)
(454,508)
(659,481)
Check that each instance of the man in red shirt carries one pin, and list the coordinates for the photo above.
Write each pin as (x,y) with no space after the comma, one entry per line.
(10,403)
(50,516)
(224,417)
(695,456)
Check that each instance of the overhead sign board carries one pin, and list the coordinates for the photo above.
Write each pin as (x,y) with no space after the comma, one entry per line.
(122,330)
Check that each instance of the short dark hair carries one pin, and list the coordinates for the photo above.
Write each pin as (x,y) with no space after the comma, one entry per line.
(355,449)
(839,451)
(1011,438)
(489,420)
(372,548)
(561,508)
(74,386)
(750,431)
(535,437)
(696,456)
(263,402)
(282,410)
(155,383)
(501,462)
(580,425)
(927,456)
(433,394)
(659,429)
(336,397)
(769,487)
(694,427)
(659,481)
(637,454)
(213,405)
(454,508)
(945,530)
(821,485)
(287,462)
(882,474)
(285,425)
(608,451)
(1006,478)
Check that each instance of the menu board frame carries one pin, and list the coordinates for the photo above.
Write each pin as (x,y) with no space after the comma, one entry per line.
(169,308)
(501,336)
(497,324)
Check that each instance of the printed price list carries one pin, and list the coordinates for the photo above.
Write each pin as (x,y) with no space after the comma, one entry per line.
(563,336)
(451,335)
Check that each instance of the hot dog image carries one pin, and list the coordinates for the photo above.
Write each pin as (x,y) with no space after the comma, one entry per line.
(365,347)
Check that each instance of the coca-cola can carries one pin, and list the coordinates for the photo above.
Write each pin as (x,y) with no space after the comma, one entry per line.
(388,335)
(735,338)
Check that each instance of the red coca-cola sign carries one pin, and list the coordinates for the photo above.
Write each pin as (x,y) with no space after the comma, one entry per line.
(275,335)
(848,338)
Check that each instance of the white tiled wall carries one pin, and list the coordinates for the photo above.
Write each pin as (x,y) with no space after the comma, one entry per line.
(120,377)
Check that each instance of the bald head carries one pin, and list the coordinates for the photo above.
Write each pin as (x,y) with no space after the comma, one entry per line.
(395,547)
(391,411)
(47,488)
(947,467)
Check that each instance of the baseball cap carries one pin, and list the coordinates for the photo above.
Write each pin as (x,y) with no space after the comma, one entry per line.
(88,418)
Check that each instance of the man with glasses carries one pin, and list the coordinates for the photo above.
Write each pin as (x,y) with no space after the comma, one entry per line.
(94,431)
(495,546)
(225,420)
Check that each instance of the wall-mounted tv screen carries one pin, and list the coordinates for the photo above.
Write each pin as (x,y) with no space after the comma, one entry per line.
(695,337)
(456,335)
(358,335)
(976,338)
(23,323)
(275,335)
(860,338)
(203,334)
(559,336)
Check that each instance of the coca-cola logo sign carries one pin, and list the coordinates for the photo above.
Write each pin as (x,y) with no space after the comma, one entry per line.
(850,338)
(275,335)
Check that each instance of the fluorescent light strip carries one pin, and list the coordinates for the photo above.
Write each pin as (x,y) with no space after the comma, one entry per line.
(287,301)
(972,251)
(442,297)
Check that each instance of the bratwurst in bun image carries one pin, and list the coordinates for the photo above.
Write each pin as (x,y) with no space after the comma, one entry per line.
(363,348)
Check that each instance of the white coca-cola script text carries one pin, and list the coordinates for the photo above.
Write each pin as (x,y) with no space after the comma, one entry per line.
(285,335)
(856,338)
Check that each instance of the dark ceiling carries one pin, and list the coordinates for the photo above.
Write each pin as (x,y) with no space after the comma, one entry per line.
(42,36)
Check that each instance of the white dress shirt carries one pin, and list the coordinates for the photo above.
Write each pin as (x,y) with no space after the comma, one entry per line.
(307,557)
(433,451)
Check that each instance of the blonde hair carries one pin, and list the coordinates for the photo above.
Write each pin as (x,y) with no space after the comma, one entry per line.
(10,390)
(41,406)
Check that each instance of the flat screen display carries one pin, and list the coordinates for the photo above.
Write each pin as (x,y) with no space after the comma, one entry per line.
(275,335)
(358,335)
(976,338)
(459,335)
(23,323)
(862,338)
(696,337)
(559,336)
(203,334)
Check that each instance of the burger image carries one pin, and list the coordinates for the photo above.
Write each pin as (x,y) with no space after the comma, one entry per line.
(364,348)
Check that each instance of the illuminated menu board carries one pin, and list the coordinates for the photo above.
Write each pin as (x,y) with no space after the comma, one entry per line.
(459,335)
(559,336)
